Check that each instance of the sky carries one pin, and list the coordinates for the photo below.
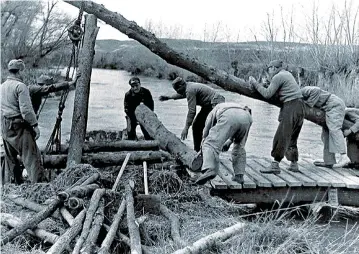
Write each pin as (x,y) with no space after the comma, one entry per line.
(236,20)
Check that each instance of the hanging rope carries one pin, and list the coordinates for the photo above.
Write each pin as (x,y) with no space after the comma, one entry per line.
(76,34)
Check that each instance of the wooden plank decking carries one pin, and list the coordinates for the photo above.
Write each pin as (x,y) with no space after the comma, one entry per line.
(310,184)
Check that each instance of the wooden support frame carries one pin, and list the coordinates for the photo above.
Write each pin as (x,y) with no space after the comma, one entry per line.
(348,197)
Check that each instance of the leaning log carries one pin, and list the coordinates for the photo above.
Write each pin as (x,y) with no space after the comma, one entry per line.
(90,243)
(116,146)
(67,216)
(82,94)
(13,221)
(175,225)
(94,202)
(168,141)
(108,159)
(219,77)
(92,179)
(133,229)
(65,239)
(106,243)
(29,204)
(30,223)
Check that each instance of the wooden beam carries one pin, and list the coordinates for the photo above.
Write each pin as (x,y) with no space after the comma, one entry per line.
(294,195)
(107,159)
(80,114)
(218,77)
(168,141)
(115,146)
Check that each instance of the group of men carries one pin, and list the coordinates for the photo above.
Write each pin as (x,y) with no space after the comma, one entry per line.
(215,128)
(20,104)
(220,123)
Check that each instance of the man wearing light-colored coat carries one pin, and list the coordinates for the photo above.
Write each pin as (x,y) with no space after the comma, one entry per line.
(351,114)
(19,128)
(227,123)
(332,135)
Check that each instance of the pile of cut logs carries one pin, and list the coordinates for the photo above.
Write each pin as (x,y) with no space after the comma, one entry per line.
(85,226)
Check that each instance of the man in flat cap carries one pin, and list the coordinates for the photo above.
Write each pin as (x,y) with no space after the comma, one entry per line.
(133,98)
(45,85)
(332,134)
(19,128)
(197,95)
(291,117)
(227,123)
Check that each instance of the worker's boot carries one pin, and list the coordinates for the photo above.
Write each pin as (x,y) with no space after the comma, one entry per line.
(322,164)
(197,162)
(343,161)
(272,169)
(238,178)
(293,167)
(206,176)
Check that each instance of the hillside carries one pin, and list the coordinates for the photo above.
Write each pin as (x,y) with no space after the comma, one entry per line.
(113,45)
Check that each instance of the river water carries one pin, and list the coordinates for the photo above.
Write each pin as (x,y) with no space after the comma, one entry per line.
(107,91)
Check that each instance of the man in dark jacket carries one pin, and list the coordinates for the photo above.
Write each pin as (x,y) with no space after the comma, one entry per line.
(196,95)
(133,98)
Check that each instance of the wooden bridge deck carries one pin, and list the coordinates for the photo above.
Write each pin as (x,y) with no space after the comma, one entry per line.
(310,184)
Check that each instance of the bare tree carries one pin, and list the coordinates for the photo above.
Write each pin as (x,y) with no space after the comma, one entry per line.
(32,30)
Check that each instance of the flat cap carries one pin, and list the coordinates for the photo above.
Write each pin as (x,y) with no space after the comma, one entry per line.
(134,80)
(16,64)
(178,81)
(276,63)
(45,79)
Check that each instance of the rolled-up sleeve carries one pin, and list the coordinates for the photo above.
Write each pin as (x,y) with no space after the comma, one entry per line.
(26,109)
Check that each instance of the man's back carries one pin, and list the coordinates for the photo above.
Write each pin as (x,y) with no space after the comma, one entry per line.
(15,99)
(202,94)
(288,88)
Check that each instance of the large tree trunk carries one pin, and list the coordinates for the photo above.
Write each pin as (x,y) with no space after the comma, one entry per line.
(79,117)
(218,77)
(168,141)
(108,159)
